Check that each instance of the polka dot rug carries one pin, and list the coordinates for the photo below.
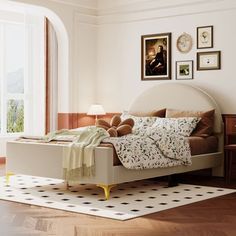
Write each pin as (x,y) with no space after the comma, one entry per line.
(127,201)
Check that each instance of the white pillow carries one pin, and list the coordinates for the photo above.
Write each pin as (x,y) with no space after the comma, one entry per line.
(141,123)
(183,126)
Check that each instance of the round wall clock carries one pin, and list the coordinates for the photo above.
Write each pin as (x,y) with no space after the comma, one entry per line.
(184,43)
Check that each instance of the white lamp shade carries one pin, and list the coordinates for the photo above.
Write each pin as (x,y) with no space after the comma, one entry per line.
(96,109)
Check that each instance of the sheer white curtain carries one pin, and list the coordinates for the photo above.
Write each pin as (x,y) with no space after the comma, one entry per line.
(52,76)
(28,47)
(34,74)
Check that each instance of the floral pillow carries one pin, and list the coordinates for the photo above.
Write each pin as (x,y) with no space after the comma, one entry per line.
(183,126)
(141,123)
(206,125)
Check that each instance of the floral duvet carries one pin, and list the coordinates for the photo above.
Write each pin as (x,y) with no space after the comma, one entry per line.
(153,148)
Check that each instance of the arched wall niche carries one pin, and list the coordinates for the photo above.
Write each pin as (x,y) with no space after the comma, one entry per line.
(62,24)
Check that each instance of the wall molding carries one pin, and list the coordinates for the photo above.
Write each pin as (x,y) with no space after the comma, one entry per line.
(86,4)
(83,7)
(148,14)
(151,10)
(85,19)
(149,5)
(100,12)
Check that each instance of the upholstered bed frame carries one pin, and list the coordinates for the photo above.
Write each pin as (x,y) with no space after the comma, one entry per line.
(46,159)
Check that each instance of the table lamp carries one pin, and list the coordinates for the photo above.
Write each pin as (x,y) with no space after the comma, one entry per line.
(95,110)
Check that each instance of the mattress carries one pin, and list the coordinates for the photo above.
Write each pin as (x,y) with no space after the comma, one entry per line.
(198,145)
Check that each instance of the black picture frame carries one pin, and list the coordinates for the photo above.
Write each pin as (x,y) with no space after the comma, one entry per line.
(184,70)
(205,37)
(209,60)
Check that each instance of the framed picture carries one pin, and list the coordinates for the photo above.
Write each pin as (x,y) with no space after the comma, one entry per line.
(205,37)
(209,60)
(156,56)
(184,70)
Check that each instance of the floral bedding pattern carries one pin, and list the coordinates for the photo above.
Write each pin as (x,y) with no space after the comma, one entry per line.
(182,125)
(153,148)
(140,123)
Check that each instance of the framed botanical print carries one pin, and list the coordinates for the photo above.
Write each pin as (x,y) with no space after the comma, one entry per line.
(209,60)
(205,37)
(184,70)
(156,56)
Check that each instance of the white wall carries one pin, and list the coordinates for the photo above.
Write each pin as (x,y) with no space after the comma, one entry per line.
(100,47)
(119,50)
(104,52)
(85,61)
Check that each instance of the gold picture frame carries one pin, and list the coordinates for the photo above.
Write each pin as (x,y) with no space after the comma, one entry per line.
(156,56)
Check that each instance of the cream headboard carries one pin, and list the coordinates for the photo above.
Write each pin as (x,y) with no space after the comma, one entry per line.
(177,96)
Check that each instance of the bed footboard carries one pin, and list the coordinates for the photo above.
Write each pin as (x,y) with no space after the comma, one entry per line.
(45,160)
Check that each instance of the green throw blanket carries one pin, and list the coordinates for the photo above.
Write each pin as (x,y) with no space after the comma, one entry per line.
(78,156)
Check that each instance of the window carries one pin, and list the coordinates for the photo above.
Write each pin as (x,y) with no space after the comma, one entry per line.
(22,100)
(12,86)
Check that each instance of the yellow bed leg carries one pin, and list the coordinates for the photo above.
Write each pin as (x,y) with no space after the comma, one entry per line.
(107,189)
(8,175)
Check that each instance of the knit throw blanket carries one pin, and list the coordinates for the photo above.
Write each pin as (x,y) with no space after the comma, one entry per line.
(78,156)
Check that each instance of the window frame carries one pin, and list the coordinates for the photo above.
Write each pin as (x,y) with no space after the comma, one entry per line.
(5,95)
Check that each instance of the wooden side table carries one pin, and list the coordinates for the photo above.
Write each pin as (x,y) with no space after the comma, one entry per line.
(230,144)
(229,151)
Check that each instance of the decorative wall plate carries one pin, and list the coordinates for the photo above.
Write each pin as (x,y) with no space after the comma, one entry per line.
(184,43)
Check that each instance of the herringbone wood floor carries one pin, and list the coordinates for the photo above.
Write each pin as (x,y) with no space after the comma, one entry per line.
(214,217)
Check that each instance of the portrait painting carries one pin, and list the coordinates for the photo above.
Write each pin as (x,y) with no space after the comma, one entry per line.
(156,56)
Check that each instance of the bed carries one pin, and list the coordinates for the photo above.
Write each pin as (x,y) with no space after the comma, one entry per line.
(45,160)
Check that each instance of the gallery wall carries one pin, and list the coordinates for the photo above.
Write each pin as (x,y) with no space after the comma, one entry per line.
(119,50)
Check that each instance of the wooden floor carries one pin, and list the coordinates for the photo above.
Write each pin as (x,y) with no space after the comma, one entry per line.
(214,217)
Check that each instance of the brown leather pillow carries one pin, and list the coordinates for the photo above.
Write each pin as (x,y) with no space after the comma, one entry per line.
(205,125)
(160,113)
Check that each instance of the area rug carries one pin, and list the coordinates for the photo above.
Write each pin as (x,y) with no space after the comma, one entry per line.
(128,200)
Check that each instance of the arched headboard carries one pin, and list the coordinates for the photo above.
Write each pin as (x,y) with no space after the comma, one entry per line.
(177,96)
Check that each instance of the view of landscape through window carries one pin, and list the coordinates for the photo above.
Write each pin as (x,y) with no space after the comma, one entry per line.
(12,81)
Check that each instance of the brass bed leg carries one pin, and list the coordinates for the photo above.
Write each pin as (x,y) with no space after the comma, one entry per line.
(8,175)
(107,189)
